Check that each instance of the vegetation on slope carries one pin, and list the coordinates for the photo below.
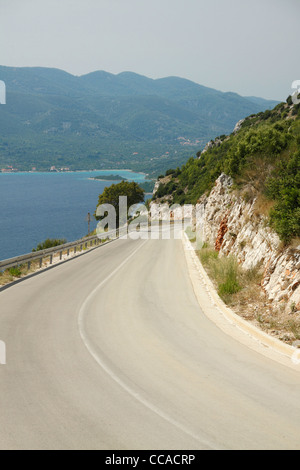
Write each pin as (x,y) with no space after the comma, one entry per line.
(263,157)
(50,243)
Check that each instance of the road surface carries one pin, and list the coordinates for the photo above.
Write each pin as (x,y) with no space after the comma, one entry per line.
(111,350)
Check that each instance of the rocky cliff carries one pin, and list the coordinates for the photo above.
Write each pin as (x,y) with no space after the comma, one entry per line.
(233,226)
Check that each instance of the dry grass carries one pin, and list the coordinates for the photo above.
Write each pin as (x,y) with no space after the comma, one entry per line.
(262,205)
(295,243)
(224,272)
(10,275)
(250,301)
(255,175)
(279,323)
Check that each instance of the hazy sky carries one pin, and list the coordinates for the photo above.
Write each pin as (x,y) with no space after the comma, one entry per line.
(247,46)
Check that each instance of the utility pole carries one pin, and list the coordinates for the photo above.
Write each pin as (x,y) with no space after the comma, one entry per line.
(89,222)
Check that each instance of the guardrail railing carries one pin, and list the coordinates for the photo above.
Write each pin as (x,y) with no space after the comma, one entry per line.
(78,245)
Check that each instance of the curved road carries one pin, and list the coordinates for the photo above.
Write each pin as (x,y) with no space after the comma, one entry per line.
(112,351)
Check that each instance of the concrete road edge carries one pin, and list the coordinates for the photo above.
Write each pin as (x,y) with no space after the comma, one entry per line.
(261,341)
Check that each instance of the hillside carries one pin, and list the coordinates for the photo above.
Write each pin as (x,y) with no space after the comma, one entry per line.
(262,156)
(102,120)
(245,195)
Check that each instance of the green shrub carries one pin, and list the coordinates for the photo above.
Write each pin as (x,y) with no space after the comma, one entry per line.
(230,286)
(223,270)
(262,153)
(284,187)
(15,272)
(50,243)
(207,255)
(165,189)
(171,171)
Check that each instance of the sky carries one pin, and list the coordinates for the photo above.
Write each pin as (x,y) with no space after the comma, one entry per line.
(250,47)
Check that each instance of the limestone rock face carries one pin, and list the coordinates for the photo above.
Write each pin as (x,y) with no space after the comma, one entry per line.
(156,186)
(238,126)
(210,145)
(232,226)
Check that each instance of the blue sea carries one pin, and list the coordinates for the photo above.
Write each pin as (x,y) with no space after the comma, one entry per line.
(36,206)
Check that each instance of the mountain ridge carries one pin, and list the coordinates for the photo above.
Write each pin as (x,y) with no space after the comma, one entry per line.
(90,121)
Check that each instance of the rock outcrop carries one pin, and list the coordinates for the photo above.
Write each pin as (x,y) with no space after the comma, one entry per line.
(238,126)
(211,144)
(232,225)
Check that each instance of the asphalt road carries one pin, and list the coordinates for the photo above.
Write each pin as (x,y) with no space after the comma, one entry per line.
(112,351)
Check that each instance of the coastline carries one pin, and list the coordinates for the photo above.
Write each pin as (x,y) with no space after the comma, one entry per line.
(71,171)
(110,181)
(60,201)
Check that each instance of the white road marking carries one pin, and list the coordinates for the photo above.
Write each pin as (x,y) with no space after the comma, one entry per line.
(114,376)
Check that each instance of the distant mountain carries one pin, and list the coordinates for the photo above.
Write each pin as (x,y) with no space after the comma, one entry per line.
(103,120)
(261,101)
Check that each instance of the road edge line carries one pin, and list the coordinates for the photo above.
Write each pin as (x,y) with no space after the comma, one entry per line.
(285,350)
(114,376)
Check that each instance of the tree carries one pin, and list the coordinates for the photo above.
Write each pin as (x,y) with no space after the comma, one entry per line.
(111,195)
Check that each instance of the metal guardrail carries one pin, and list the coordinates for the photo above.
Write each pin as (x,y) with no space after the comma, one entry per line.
(80,245)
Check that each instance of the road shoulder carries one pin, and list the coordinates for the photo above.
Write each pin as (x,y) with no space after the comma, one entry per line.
(228,321)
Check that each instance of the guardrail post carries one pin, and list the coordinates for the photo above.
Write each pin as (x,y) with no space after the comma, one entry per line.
(49,253)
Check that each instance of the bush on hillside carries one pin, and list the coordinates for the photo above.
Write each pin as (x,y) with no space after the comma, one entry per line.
(263,153)
(50,243)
